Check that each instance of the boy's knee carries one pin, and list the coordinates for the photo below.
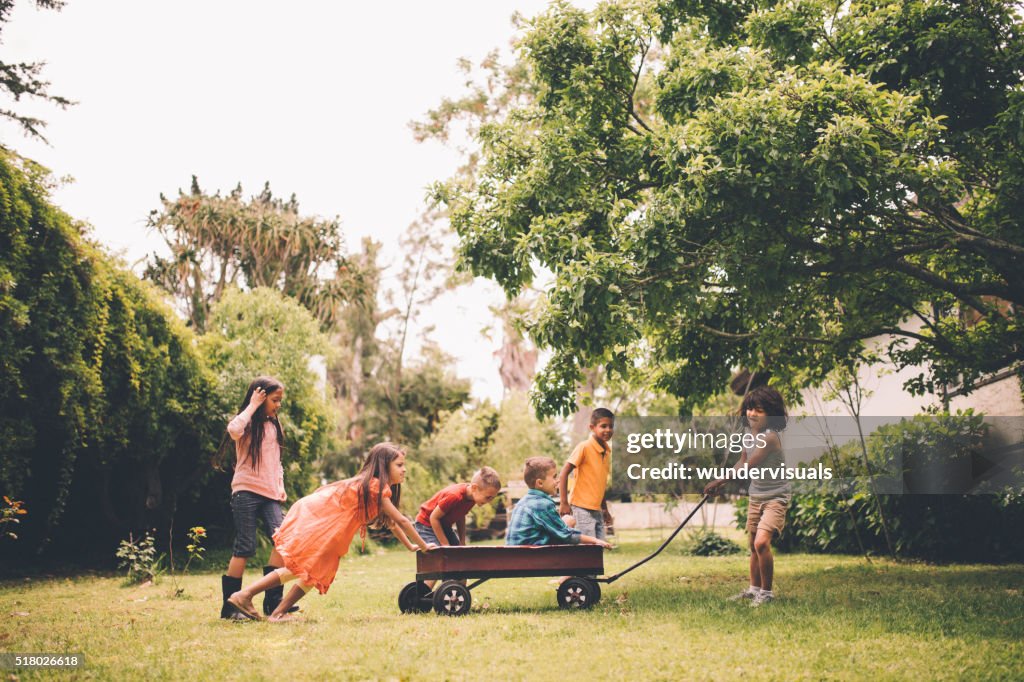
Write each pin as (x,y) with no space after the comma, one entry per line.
(762,545)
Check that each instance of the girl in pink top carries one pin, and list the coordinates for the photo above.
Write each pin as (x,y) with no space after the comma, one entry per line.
(319,529)
(257,487)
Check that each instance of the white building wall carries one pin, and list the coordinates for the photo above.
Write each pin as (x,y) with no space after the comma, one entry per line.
(884,395)
(1002,398)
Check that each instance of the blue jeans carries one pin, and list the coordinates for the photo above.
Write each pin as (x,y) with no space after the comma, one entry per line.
(246,507)
(428,535)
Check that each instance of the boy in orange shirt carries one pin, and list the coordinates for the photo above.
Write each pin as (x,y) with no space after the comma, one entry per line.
(592,461)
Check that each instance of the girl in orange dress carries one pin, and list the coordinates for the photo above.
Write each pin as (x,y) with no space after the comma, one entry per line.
(319,528)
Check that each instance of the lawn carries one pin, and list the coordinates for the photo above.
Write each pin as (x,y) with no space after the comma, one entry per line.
(837,618)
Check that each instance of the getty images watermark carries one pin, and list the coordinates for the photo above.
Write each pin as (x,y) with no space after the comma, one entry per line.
(924,454)
(663,440)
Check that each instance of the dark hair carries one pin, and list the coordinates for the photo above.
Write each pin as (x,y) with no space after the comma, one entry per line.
(601,413)
(378,465)
(252,438)
(537,467)
(768,400)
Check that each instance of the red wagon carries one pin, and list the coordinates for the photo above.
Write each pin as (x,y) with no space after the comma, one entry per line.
(451,565)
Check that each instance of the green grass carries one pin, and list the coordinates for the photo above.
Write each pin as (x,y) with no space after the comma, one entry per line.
(837,618)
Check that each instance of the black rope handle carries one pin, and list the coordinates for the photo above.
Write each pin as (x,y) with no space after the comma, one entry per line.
(663,545)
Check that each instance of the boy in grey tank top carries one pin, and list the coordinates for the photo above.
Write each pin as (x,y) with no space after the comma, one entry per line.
(764,412)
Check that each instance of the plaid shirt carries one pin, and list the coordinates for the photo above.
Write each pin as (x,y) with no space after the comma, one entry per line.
(535,521)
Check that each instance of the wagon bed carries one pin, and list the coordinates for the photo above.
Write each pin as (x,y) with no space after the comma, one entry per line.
(454,565)
(460,563)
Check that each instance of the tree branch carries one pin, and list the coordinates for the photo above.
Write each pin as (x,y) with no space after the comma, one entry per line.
(750,335)
(944,285)
(636,81)
(638,119)
(951,219)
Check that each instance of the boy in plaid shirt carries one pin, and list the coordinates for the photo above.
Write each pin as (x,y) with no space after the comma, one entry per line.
(535,519)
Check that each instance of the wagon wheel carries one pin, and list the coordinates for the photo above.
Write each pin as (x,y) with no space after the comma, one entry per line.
(597,591)
(413,598)
(577,593)
(452,599)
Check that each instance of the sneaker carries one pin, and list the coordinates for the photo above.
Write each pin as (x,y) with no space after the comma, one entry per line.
(745,594)
(762,599)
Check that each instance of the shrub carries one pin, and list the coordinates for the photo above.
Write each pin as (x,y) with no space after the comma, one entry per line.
(932,526)
(706,542)
(138,558)
(264,332)
(9,513)
(106,403)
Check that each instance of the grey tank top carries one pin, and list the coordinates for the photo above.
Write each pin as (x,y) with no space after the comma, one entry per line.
(772,483)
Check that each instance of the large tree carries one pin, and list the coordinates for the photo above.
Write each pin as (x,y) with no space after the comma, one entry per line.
(217,241)
(715,184)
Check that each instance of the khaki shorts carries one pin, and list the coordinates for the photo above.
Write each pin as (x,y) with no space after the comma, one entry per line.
(769,515)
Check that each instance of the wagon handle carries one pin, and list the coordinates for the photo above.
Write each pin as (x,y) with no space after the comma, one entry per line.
(658,551)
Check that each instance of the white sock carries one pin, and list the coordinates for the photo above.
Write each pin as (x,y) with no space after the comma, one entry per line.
(754,590)
(766,593)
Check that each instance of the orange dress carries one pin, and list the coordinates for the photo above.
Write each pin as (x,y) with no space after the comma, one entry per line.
(319,528)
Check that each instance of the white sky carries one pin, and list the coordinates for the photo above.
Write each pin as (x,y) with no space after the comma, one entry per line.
(313,97)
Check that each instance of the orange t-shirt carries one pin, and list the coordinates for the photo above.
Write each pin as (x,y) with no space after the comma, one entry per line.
(593,463)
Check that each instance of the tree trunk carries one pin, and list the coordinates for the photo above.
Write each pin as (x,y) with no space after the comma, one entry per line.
(581,420)
(355,408)
(518,363)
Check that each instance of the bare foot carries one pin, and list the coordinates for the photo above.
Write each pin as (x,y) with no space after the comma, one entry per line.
(283,618)
(244,604)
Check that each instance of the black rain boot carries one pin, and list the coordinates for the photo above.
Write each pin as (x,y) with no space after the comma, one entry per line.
(228,586)
(273,596)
